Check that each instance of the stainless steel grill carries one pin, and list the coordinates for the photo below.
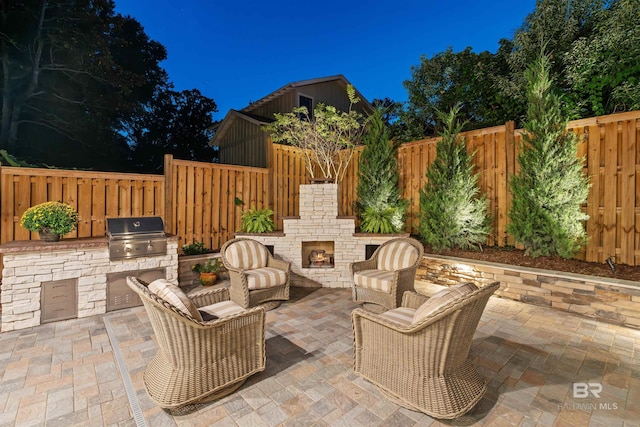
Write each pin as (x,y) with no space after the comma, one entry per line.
(136,237)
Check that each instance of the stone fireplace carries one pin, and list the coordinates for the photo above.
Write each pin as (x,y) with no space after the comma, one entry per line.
(320,229)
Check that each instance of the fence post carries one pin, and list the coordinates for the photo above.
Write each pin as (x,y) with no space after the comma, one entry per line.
(169,226)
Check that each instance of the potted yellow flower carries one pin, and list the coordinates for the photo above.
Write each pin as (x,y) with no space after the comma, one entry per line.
(50,219)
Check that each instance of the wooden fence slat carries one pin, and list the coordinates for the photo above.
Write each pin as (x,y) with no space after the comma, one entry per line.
(593,225)
(610,191)
(628,202)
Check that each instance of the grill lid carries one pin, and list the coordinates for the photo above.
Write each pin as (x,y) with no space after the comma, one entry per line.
(134,226)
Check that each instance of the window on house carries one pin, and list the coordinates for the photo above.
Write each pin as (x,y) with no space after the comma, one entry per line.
(306,101)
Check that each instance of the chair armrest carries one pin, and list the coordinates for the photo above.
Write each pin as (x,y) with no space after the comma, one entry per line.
(357,266)
(413,300)
(210,296)
(279,264)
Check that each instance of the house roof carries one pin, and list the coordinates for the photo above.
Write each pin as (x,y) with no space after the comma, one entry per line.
(245,113)
(294,85)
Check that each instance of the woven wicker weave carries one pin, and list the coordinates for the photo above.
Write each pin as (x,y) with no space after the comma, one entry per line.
(239,289)
(424,366)
(403,279)
(200,361)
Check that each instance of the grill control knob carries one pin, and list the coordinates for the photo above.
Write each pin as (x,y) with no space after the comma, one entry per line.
(127,249)
(149,246)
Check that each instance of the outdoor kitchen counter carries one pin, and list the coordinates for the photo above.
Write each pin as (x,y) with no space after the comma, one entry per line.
(39,245)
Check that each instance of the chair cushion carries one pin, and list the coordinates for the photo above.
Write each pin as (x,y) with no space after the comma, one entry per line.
(265,277)
(401,315)
(175,296)
(378,280)
(396,255)
(246,255)
(442,298)
(219,309)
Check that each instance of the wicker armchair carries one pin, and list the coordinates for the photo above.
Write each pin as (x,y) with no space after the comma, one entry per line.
(200,360)
(257,278)
(420,358)
(387,274)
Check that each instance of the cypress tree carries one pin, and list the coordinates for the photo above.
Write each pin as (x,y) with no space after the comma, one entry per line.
(452,211)
(379,203)
(548,192)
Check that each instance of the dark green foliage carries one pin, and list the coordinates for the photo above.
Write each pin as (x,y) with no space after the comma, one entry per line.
(195,248)
(550,188)
(379,203)
(452,212)
(257,221)
(81,85)
(175,123)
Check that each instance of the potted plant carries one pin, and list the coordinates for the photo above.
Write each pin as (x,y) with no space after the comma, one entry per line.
(208,271)
(257,221)
(50,219)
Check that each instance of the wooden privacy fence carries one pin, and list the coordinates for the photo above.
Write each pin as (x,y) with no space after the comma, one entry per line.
(610,147)
(198,201)
(204,201)
(95,195)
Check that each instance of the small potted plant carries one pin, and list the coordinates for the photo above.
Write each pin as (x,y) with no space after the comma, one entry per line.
(50,219)
(208,271)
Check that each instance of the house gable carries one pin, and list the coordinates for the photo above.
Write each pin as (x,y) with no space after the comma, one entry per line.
(240,131)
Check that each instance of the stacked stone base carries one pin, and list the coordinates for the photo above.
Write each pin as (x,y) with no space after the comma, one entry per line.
(610,300)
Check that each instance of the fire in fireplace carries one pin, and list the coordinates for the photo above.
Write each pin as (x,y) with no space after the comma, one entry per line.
(317,254)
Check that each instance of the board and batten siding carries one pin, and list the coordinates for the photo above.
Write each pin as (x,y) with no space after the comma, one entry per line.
(245,144)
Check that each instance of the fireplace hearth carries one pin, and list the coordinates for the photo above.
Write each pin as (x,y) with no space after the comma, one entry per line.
(319,244)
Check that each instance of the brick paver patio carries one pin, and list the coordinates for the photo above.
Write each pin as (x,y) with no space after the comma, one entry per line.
(67,373)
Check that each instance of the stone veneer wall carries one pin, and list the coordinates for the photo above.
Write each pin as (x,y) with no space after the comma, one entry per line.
(319,221)
(610,300)
(27,267)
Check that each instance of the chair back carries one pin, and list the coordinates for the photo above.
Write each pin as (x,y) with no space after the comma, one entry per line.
(246,254)
(454,325)
(396,255)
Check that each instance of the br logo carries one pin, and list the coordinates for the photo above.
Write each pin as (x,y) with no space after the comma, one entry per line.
(582,390)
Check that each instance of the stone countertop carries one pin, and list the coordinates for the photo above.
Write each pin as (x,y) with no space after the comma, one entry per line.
(39,245)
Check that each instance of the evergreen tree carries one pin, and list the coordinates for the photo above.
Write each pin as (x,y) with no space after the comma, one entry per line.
(452,212)
(379,203)
(550,187)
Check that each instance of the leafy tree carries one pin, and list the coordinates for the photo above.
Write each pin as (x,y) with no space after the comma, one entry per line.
(72,72)
(452,211)
(327,138)
(379,202)
(552,28)
(177,123)
(550,188)
(603,67)
(448,79)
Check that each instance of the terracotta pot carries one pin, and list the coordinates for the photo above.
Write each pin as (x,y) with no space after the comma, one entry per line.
(47,235)
(208,279)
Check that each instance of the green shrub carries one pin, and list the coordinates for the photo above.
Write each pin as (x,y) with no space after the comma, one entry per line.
(452,211)
(379,204)
(546,216)
(257,221)
(195,248)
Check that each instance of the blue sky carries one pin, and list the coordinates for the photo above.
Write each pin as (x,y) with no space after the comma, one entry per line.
(239,51)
